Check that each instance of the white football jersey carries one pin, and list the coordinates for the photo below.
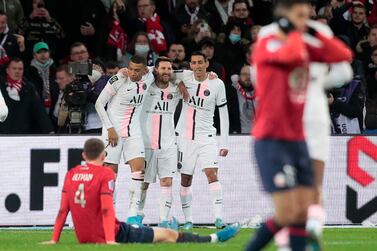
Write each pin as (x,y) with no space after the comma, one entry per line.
(124,99)
(157,119)
(196,119)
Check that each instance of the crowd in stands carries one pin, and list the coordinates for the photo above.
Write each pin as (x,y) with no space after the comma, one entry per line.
(39,38)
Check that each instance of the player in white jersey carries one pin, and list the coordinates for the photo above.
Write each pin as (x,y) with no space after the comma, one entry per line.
(124,97)
(159,135)
(3,109)
(197,136)
(317,131)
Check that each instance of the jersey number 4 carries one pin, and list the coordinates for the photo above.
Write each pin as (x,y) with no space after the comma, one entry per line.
(80,196)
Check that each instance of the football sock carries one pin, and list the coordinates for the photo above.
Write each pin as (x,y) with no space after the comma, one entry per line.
(135,192)
(263,235)
(217,198)
(282,239)
(316,219)
(191,237)
(297,237)
(143,196)
(186,200)
(166,199)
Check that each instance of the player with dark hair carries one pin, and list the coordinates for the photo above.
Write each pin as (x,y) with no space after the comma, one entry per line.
(124,96)
(281,58)
(196,135)
(88,194)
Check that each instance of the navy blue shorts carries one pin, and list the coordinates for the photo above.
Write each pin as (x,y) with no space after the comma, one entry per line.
(283,164)
(130,234)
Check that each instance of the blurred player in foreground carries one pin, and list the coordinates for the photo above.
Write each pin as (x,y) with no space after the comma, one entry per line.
(3,109)
(88,194)
(281,58)
(317,131)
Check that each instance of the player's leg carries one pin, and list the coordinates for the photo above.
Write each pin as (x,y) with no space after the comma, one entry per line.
(216,195)
(113,155)
(166,200)
(187,157)
(134,156)
(186,200)
(166,169)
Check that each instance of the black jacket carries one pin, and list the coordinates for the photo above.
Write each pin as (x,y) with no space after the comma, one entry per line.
(32,75)
(26,116)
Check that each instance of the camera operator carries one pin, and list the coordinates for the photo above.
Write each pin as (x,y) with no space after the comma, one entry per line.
(98,80)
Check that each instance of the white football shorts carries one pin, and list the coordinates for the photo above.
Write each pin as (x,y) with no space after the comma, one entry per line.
(161,162)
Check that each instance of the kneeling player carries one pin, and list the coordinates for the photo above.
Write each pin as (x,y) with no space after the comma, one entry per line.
(88,194)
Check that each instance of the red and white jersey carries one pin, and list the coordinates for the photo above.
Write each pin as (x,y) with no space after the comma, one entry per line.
(83,186)
(124,99)
(196,119)
(157,119)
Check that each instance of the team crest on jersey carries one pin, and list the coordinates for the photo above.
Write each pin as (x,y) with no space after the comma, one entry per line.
(179,166)
(170,96)
(113,79)
(207,92)
(298,81)
(111,185)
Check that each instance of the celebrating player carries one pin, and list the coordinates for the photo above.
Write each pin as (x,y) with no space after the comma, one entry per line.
(159,135)
(281,58)
(3,109)
(196,135)
(124,97)
(88,194)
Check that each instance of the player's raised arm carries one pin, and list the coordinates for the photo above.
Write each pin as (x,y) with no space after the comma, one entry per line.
(221,103)
(3,109)
(288,48)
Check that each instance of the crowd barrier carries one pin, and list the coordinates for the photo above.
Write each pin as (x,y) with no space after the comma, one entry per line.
(33,170)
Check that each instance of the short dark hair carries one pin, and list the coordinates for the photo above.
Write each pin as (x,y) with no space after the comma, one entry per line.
(2,13)
(112,65)
(93,148)
(16,60)
(287,4)
(76,44)
(63,67)
(373,27)
(360,6)
(136,59)
(198,53)
(162,59)
(238,2)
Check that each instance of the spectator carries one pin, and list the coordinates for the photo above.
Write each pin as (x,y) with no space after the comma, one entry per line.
(371,92)
(42,73)
(220,10)
(82,20)
(177,54)
(26,112)
(142,46)
(346,108)
(79,52)
(186,14)
(199,30)
(112,68)
(246,99)
(364,48)
(13,10)
(63,78)
(254,30)
(356,29)
(241,13)
(207,47)
(11,45)
(40,26)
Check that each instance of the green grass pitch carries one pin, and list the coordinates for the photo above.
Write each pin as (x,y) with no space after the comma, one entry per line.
(335,239)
